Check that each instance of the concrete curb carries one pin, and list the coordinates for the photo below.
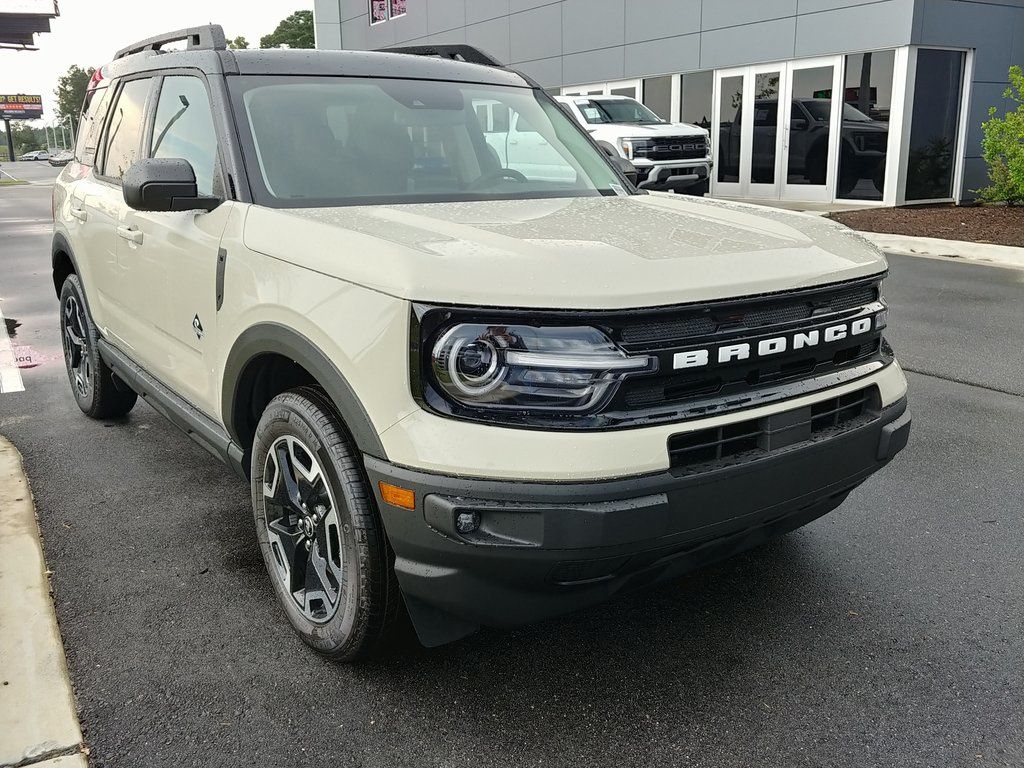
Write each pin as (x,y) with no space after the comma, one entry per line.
(37,708)
(1000,255)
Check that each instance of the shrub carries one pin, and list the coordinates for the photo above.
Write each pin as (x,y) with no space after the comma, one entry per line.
(1003,146)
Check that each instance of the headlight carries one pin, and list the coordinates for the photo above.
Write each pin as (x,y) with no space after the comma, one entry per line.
(626,145)
(572,369)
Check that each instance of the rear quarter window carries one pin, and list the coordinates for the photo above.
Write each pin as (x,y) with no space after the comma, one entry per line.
(93,111)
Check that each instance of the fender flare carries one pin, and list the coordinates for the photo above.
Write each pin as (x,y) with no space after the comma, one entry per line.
(273,338)
(60,244)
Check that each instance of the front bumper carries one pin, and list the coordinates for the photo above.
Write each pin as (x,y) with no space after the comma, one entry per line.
(544,549)
(673,175)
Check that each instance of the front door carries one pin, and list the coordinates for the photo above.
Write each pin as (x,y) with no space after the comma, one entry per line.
(813,89)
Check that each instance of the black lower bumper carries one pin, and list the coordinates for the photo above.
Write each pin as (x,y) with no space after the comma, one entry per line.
(542,549)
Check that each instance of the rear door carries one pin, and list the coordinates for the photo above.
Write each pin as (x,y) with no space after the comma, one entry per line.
(174,255)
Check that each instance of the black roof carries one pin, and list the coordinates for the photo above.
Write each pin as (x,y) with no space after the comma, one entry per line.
(207,52)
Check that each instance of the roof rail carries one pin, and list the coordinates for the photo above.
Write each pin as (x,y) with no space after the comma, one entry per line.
(208,38)
(465,53)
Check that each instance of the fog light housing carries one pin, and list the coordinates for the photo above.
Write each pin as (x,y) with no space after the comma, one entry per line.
(467,522)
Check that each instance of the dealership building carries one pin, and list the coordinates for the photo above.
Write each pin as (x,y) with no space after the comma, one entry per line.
(886,97)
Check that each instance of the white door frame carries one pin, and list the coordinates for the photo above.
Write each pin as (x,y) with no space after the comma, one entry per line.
(812,192)
(728,188)
(755,189)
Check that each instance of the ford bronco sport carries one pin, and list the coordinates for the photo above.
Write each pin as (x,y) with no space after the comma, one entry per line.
(462,390)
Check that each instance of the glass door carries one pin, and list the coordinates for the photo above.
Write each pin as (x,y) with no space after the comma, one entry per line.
(732,152)
(749,139)
(813,124)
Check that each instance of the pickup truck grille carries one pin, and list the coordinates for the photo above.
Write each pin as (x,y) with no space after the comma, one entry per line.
(670,148)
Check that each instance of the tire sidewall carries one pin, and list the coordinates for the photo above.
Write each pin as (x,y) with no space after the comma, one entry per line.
(346,627)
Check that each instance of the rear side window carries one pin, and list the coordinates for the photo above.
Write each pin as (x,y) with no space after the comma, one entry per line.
(93,112)
(184,128)
(124,131)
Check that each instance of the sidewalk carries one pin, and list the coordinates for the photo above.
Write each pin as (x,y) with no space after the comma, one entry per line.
(38,724)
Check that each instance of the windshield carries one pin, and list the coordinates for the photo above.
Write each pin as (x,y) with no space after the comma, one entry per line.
(616,111)
(853,114)
(327,141)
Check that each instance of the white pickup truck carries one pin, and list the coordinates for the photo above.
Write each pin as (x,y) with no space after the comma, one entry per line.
(668,156)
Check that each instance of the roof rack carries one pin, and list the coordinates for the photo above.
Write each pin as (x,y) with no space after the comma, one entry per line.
(466,53)
(208,38)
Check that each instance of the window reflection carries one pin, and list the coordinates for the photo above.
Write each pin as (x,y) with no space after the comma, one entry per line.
(934,128)
(729,129)
(810,126)
(766,127)
(865,144)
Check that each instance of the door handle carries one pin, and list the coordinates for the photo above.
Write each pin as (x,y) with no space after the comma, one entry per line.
(130,234)
(79,214)
(513,141)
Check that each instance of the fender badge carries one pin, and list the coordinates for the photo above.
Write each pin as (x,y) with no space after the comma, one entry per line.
(197,327)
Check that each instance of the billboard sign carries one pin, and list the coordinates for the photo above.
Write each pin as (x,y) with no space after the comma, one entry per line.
(20,106)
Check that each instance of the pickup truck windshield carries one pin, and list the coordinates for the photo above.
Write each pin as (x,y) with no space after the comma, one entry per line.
(330,141)
(628,111)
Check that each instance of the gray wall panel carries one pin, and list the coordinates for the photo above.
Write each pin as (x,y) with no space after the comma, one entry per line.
(988,28)
(536,34)
(547,72)
(444,16)
(975,177)
(664,57)
(483,10)
(653,19)
(411,26)
(327,11)
(731,13)
(880,25)
(816,6)
(327,35)
(591,24)
(594,66)
(763,41)
(521,5)
(350,9)
(491,37)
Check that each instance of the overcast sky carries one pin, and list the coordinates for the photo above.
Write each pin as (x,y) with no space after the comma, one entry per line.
(89,31)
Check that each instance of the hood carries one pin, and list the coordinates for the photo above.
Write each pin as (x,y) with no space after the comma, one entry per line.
(580,253)
(633,130)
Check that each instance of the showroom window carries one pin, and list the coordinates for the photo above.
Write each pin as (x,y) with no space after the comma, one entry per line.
(935,124)
(382,10)
(696,92)
(658,96)
(865,132)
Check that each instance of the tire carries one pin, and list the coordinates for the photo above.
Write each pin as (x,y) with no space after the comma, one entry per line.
(92,381)
(330,508)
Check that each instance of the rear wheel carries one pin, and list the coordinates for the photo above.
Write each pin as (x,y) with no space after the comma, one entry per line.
(318,528)
(92,381)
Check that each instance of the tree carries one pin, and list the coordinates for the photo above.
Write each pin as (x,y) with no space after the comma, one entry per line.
(295,32)
(1003,146)
(70,92)
(238,44)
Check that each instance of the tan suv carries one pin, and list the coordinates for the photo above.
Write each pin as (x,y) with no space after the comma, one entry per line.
(462,391)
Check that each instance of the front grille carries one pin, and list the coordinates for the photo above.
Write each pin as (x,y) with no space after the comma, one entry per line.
(752,439)
(670,148)
(657,331)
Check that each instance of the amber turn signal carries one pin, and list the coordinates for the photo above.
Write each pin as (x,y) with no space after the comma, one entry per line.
(397,497)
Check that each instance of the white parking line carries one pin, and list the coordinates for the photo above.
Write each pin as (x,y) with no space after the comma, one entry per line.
(10,374)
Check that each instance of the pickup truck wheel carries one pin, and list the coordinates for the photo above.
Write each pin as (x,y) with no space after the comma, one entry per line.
(92,381)
(319,530)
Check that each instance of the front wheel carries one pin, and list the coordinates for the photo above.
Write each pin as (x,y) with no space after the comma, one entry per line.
(318,528)
(92,381)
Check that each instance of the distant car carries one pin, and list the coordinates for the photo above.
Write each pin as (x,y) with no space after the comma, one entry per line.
(39,154)
(62,158)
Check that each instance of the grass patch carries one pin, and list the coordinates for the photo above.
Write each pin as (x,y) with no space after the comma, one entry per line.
(5,182)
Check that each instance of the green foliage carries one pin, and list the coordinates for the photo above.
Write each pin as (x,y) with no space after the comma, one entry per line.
(70,92)
(238,44)
(296,32)
(1003,146)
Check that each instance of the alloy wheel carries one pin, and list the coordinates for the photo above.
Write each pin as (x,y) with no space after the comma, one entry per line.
(76,353)
(303,528)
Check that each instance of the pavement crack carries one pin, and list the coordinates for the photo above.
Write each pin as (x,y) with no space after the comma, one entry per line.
(965,382)
(45,755)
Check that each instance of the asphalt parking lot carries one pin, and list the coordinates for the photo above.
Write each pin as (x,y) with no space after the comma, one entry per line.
(889,633)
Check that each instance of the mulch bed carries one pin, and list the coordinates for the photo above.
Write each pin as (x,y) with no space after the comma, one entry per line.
(996,224)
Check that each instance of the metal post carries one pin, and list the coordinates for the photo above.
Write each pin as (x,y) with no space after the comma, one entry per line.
(10,140)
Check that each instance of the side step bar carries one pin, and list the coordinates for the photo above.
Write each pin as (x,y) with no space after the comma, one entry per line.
(194,423)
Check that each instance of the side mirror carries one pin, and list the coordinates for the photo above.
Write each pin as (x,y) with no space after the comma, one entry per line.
(627,168)
(164,184)
(798,124)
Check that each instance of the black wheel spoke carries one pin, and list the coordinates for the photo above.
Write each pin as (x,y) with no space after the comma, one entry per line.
(287,472)
(293,549)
